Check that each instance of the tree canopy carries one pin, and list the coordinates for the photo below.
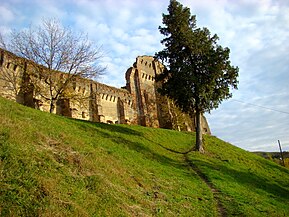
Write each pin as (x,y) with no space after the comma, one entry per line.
(198,73)
(57,48)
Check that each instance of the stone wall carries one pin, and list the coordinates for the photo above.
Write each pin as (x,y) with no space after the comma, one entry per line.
(137,103)
(142,87)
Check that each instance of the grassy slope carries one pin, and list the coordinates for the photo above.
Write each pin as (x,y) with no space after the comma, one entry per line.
(54,166)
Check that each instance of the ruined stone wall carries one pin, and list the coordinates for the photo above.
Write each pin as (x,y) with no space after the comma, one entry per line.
(138,103)
(11,75)
(115,105)
(142,86)
(84,99)
(14,81)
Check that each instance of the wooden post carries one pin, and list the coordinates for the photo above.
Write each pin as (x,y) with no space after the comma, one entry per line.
(281,153)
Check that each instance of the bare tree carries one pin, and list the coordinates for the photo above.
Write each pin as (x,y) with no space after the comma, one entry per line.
(58,49)
(2,41)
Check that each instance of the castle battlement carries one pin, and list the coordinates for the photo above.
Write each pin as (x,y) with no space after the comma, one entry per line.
(137,103)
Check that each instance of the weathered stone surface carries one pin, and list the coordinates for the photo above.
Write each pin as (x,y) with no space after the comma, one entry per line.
(137,103)
(141,85)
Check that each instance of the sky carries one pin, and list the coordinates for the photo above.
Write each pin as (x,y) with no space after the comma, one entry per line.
(256,31)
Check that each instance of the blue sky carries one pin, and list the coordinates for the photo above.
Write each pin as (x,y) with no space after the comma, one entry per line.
(256,31)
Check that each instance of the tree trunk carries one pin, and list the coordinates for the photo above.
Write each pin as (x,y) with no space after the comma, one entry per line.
(52,106)
(199,135)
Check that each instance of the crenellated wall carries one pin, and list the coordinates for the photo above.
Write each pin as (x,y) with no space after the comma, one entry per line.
(137,103)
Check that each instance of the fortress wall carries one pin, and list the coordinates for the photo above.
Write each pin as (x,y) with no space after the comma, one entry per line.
(7,88)
(84,99)
(137,103)
(141,84)
(80,104)
(147,74)
(115,104)
(10,74)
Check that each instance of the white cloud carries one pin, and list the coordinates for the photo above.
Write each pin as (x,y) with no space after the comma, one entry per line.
(250,126)
(261,30)
(120,34)
(256,31)
(6,15)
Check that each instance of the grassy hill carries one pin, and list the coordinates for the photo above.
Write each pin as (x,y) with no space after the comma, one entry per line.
(275,157)
(55,166)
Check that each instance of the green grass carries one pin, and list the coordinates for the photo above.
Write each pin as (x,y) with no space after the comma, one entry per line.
(55,166)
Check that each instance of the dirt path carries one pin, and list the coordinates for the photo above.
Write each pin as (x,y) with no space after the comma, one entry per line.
(221,209)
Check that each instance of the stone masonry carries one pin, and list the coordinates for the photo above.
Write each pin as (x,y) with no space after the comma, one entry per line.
(137,103)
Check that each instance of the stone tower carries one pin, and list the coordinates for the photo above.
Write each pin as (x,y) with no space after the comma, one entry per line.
(141,84)
(151,108)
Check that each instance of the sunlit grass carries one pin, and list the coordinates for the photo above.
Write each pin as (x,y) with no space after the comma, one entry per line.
(56,166)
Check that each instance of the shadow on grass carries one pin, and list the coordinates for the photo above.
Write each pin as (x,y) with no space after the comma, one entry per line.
(246,178)
(108,131)
(272,164)
(249,179)
(148,153)
(174,151)
(242,177)
(124,129)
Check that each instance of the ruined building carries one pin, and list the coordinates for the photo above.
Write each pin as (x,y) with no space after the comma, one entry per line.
(137,103)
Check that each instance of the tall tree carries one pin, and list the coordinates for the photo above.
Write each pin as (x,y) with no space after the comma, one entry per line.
(198,73)
(57,49)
